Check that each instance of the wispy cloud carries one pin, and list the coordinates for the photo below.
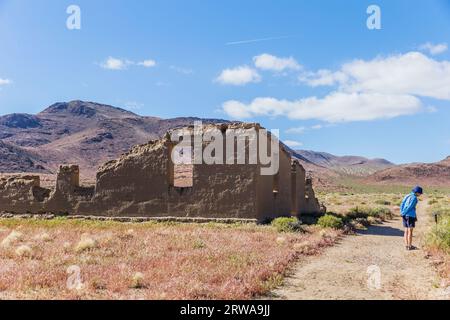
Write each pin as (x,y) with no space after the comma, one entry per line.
(133,105)
(147,63)
(302,130)
(162,84)
(434,49)
(238,76)
(4,82)
(432,109)
(181,70)
(293,144)
(119,64)
(298,130)
(233,43)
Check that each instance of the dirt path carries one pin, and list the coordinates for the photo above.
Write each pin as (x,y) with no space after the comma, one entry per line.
(342,271)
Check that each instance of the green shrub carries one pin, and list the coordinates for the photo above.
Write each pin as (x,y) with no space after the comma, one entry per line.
(285,224)
(432,201)
(330,221)
(381,212)
(358,212)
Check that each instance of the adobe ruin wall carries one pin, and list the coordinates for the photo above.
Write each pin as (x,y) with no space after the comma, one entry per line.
(141,184)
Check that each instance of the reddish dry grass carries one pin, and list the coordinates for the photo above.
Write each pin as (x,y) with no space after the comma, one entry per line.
(441,261)
(175,261)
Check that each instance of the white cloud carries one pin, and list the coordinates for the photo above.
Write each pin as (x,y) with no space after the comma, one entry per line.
(364,90)
(293,144)
(336,107)
(272,63)
(434,49)
(238,76)
(412,73)
(147,63)
(299,130)
(115,64)
(112,63)
(4,82)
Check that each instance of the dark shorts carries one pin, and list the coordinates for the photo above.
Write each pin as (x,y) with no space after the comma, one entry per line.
(409,222)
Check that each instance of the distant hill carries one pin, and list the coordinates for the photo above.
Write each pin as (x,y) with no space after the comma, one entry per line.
(85,133)
(428,174)
(350,165)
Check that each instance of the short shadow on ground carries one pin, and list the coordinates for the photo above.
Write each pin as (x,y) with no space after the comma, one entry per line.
(382,231)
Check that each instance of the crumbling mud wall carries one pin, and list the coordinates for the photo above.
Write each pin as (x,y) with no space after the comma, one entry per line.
(136,184)
(68,193)
(311,204)
(275,192)
(219,191)
(22,194)
(141,183)
(298,189)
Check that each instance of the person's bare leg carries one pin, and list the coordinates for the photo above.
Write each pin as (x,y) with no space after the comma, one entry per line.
(410,236)
(406,237)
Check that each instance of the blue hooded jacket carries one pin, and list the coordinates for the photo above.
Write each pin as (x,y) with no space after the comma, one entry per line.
(408,206)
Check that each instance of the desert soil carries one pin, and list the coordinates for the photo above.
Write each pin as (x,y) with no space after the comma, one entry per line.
(342,271)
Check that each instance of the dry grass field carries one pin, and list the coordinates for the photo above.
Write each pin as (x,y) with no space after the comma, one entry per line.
(75,259)
(343,202)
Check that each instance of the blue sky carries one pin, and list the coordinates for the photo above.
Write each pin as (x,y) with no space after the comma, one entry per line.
(317,72)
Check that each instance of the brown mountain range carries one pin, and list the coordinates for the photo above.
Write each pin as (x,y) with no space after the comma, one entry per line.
(89,134)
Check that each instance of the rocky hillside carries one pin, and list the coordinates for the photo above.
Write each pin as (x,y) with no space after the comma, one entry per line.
(79,132)
(350,165)
(431,174)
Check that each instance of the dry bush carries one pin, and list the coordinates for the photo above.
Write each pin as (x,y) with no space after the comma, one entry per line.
(12,238)
(45,237)
(24,251)
(86,243)
(137,281)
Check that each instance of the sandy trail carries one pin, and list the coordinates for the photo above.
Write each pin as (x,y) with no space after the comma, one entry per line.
(342,271)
